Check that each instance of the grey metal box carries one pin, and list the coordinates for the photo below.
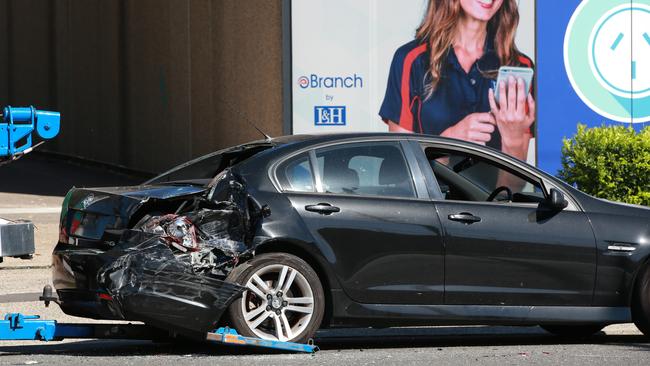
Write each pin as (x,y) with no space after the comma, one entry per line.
(16,238)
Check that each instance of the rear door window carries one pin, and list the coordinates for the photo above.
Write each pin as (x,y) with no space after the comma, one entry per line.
(373,168)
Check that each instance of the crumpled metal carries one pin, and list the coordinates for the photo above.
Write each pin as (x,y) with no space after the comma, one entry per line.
(170,271)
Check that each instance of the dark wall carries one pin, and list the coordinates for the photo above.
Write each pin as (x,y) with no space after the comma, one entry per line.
(145,84)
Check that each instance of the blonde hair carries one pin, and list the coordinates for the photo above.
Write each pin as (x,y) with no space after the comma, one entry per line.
(438,30)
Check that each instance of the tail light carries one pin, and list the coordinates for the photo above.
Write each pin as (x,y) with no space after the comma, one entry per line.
(64,236)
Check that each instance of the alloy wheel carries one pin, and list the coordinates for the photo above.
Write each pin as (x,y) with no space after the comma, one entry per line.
(278,303)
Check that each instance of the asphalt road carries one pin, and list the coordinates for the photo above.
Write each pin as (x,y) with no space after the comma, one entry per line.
(446,346)
(33,188)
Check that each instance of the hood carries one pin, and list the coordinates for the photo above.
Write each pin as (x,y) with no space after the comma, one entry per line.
(622,208)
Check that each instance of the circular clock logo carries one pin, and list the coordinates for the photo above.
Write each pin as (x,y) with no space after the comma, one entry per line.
(613,38)
(613,42)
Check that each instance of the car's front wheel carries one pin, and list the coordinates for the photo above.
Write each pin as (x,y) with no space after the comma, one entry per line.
(283,300)
(641,302)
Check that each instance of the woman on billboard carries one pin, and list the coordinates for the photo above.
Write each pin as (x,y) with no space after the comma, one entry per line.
(442,83)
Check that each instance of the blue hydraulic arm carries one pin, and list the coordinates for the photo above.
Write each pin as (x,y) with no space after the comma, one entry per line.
(20,327)
(17,125)
(16,326)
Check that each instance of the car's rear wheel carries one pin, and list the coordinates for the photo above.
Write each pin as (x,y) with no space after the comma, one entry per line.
(581,330)
(283,300)
(641,302)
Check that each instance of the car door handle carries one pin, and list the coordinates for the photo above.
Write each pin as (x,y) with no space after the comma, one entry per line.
(465,217)
(323,208)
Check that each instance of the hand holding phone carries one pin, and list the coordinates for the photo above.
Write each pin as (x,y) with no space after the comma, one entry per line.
(514,109)
(524,73)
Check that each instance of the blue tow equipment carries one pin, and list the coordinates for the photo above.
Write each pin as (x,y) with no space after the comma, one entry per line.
(19,327)
(17,126)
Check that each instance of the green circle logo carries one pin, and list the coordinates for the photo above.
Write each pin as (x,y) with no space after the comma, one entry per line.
(607,58)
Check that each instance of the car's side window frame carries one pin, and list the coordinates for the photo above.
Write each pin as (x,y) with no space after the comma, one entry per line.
(288,187)
(415,169)
(432,187)
(397,143)
(412,164)
(422,145)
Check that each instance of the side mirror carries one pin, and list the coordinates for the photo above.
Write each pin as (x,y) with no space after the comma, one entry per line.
(556,200)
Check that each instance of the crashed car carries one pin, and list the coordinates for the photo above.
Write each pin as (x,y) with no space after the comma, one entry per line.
(277,238)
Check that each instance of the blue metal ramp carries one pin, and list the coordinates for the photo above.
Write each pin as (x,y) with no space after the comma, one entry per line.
(17,327)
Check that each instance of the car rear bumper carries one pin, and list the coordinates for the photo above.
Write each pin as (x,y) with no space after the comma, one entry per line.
(88,304)
(136,284)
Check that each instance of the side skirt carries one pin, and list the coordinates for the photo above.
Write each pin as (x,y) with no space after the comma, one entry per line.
(347,313)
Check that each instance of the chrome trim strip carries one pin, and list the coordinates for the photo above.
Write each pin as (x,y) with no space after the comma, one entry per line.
(621,248)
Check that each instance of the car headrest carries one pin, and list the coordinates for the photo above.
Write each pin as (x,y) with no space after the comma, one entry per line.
(341,178)
(393,171)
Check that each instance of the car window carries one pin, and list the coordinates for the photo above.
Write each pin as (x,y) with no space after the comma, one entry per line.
(377,169)
(296,175)
(204,168)
(467,177)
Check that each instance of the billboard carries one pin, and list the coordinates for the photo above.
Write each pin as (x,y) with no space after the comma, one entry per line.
(589,58)
(342,54)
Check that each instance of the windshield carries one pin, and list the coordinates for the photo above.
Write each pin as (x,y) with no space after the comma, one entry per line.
(203,169)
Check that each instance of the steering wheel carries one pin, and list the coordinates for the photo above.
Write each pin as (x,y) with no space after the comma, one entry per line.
(498,190)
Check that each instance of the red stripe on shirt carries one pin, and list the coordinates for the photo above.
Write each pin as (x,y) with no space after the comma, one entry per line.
(525,61)
(406,117)
(528,63)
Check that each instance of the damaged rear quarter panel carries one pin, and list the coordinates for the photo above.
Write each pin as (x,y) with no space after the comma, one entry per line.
(171,270)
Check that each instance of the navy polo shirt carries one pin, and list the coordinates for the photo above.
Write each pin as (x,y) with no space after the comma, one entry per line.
(457,94)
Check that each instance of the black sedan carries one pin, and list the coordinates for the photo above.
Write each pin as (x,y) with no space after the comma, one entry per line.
(280,237)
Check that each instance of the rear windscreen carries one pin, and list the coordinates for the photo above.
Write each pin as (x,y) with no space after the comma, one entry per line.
(206,167)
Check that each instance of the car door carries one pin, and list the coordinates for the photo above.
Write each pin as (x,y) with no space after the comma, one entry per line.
(373,222)
(508,252)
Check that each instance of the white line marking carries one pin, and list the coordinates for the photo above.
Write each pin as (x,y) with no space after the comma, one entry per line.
(29,210)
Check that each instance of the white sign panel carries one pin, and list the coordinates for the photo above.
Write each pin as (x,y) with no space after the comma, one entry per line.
(341,56)
(341,53)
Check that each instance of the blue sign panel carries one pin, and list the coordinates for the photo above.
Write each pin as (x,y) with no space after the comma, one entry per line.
(330,115)
(592,68)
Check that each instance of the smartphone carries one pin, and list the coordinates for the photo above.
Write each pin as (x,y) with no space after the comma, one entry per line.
(525,73)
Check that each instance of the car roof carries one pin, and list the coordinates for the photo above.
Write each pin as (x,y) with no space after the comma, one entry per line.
(331,137)
(305,140)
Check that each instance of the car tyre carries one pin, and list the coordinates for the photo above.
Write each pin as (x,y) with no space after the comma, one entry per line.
(581,330)
(641,302)
(283,300)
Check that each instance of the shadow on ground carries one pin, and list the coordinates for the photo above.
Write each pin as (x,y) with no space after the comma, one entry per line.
(42,174)
(338,340)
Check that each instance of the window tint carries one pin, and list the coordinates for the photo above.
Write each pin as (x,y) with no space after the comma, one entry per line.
(466,177)
(207,167)
(377,168)
(295,174)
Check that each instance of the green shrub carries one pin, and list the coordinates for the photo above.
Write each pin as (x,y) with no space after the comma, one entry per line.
(609,162)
